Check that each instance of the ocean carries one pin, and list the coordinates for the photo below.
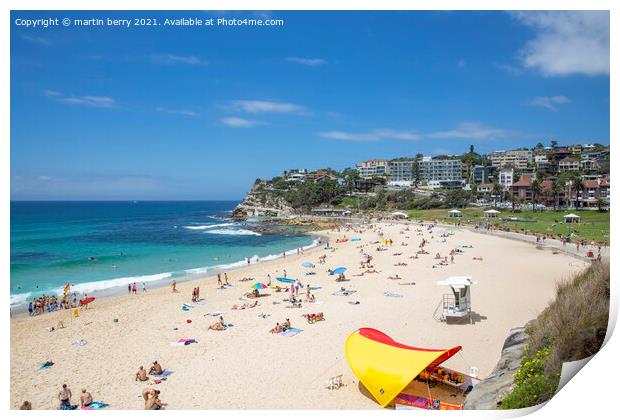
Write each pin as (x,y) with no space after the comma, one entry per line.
(102,245)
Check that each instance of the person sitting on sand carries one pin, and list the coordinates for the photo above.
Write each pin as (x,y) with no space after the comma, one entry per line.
(153,402)
(437,256)
(286,324)
(85,399)
(147,393)
(277,329)
(141,375)
(26,405)
(219,325)
(156,368)
(311,298)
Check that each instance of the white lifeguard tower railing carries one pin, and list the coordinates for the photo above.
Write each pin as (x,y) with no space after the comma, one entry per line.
(458,303)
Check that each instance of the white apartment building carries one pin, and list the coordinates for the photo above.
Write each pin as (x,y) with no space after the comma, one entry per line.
(514,158)
(505,177)
(440,170)
(400,171)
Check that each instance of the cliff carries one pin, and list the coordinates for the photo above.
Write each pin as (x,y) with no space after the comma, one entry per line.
(487,395)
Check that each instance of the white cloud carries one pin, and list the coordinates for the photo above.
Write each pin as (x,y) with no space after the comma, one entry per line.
(92,101)
(184,112)
(52,93)
(374,135)
(472,131)
(567,42)
(173,59)
(256,107)
(465,130)
(550,102)
(313,62)
(240,122)
(37,40)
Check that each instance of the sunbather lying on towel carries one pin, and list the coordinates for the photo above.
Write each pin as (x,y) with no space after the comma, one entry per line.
(395,277)
(277,329)
(219,325)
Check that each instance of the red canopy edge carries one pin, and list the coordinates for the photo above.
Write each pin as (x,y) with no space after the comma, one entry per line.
(380,337)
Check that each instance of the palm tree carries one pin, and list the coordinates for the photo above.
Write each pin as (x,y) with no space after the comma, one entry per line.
(577,184)
(556,188)
(536,189)
(497,190)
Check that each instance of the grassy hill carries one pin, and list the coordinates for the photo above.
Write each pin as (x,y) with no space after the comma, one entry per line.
(594,225)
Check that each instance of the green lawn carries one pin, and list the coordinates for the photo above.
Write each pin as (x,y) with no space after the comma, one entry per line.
(594,225)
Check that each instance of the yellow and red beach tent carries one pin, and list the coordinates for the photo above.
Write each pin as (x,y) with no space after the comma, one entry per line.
(385,366)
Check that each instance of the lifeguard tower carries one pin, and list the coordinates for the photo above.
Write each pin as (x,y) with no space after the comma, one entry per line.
(458,303)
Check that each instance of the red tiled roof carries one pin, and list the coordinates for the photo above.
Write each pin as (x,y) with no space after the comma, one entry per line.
(525,181)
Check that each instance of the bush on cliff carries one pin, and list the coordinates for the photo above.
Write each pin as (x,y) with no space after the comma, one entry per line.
(572,327)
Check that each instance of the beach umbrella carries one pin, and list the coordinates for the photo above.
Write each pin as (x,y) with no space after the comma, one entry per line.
(259,286)
(339,270)
(308,264)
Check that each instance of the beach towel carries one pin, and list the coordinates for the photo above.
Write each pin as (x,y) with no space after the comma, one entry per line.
(357,302)
(344,292)
(290,332)
(165,373)
(184,342)
(310,273)
(215,313)
(95,405)
(45,365)
(392,294)
(185,308)
(315,287)
(355,239)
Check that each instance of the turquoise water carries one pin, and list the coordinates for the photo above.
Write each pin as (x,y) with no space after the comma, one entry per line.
(101,245)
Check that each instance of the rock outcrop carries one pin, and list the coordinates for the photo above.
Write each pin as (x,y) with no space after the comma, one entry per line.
(488,393)
(259,203)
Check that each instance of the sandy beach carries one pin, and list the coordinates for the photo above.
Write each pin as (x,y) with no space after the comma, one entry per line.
(246,367)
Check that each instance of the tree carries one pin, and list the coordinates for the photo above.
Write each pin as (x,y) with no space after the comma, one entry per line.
(554,144)
(536,190)
(556,189)
(539,145)
(497,191)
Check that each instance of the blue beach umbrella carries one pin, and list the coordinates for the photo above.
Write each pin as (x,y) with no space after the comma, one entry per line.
(339,270)
(308,264)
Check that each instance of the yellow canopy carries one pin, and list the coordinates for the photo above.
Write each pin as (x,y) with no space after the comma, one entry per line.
(386,367)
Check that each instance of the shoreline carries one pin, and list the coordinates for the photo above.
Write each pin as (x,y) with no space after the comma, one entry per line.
(20,310)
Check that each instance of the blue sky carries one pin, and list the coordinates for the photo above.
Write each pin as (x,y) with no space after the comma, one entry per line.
(199,113)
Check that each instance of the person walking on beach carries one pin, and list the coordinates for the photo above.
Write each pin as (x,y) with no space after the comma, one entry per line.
(129,288)
(143,286)
(134,288)
(226,279)
(219,279)
(174,286)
